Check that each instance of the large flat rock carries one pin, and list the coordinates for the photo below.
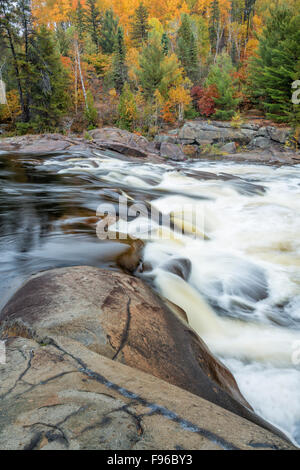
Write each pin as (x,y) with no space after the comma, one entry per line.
(60,395)
(119,317)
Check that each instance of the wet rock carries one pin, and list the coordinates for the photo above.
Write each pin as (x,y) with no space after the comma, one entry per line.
(131,259)
(62,396)
(39,145)
(245,280)
(182,267)
(118,316)
(45,147)
(122,148)
(172,151)
(113,134)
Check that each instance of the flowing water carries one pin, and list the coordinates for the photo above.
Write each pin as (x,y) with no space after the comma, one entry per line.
(235,270)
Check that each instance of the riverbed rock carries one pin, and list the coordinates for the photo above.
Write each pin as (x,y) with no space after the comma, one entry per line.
(119,317)
(123,148)
(229,148)
(203,132)
(161,138)
(279,134)
(121,136)
(260,142)
(181,267)
(63,396)
(34,144)
(172,151)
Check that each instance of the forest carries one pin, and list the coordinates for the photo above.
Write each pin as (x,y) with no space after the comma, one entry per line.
(74,65)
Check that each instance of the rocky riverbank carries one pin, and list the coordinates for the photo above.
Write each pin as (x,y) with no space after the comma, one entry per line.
(96,361)
(195,139)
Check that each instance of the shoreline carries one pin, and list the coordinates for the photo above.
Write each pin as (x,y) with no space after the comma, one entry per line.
(195,140)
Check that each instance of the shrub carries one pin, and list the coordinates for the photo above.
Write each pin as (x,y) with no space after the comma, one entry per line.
(207,102)
(91,113)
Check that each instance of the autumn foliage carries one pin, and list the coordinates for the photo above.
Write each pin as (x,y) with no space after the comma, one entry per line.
(204,99)
(139,64)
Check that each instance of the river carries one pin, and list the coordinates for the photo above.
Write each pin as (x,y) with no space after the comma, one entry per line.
(241,244)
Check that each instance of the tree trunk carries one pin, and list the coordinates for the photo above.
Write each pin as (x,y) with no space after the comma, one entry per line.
(80,74)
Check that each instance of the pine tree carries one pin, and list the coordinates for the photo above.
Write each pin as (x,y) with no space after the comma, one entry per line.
(187,48)
(233,53)
(11,30)
(47,82)
(119,71)
(150,73)
(275,68)
(214,24)
(93,21)
(64,40)
(140,27)
(157,73)
(221,77)
(108,32)
(165,42)
(80,20)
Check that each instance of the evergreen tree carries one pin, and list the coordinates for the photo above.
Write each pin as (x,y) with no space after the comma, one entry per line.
(214,24)
(25,21)
(187,48)
(11,33)
(140,27)
(93,21)
(119,71)
(156,71)
(275,68)
(80,20)
(47,82)
(221,77)
(165,43)
(233,53)
(151,71)
(64,39)
(108,32)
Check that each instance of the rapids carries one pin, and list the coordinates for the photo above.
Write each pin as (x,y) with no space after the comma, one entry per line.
(238,260)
